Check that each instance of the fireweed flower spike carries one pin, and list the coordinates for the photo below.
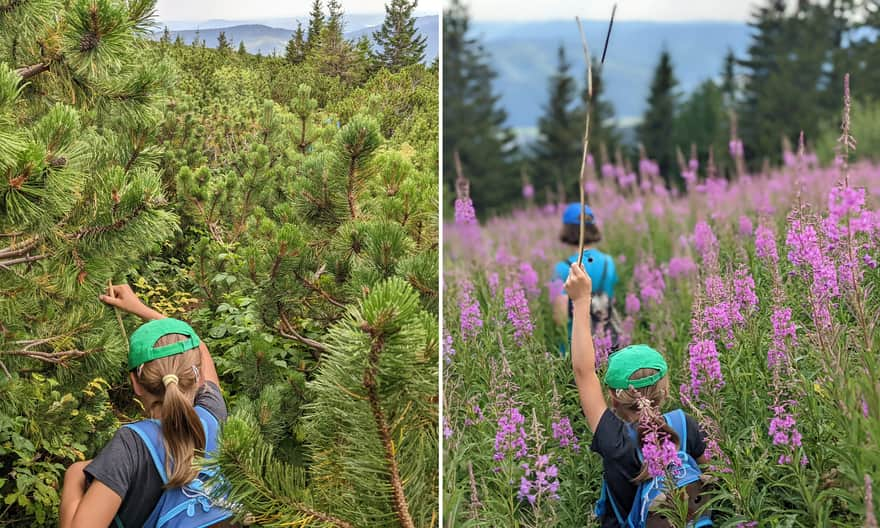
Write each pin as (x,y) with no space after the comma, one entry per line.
(518,313)
(658,449)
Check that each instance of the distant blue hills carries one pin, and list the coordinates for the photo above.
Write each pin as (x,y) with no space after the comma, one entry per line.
(525,56)
(266,39)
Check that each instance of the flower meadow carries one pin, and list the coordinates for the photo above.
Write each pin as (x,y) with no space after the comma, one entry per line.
(760,291)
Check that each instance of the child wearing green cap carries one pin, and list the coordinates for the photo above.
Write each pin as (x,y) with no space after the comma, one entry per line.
(173,376)
(635,375)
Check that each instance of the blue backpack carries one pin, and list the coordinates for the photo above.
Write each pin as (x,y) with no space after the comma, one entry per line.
(189,506)
(686,475)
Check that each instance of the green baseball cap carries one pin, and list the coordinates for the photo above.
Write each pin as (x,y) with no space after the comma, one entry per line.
(141,342)
(623,363)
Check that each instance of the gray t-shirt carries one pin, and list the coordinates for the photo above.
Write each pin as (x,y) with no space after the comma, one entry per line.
(125,465)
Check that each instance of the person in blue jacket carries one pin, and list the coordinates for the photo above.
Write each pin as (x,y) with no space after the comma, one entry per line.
(598,265)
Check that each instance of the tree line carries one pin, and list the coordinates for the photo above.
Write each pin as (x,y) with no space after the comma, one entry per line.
(789,80)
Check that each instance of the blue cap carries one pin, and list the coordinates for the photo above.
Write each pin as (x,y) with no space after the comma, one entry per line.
(572,214)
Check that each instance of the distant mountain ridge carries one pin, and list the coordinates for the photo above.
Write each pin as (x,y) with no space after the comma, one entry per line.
(525,56)
(267,39)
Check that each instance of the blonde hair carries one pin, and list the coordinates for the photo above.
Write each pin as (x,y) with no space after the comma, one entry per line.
(626,405)
(181,427)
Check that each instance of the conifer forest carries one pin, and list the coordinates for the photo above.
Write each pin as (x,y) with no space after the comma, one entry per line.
(286,206)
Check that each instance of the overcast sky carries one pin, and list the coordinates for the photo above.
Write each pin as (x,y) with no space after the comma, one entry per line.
(249,9)
(738,10)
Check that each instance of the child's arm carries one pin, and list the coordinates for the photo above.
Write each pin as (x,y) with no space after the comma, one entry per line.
(583,356)
(86,508)
(121,296)
(125,299)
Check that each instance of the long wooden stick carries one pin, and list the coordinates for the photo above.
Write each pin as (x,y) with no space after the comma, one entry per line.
(112,293)
(588,111)
(586,151)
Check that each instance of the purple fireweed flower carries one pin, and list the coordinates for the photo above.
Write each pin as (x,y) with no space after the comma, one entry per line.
(544,483)
(632,305)
(784,336)
(554,288)
(748,524)
(528,277)
(706,243)
(765,244)
(745,226)
(657,448)
(447,431)
(693,164)
(448,351)
(590,161)
(607,170)
(518,313)
(602,345)
(783,430)
(650,282)
(744,291)
(492,280)
(510,435)
(503,258)
(528,191)
(680,267)
(564,434)
(704,367)
(864,407)
(464,212)
(736,148)
(469,309)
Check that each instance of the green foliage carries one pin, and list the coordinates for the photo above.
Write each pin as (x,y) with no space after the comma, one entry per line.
(865,126)
(81,202)
(473,124)
(401,45)
(263,201)
(557,152)
(653,132)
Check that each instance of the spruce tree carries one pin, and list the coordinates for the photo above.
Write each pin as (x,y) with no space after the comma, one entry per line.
(223,44)
(399,39)
(178,42)
(296,46)
(728,80)
(81,202)
(654,130)
(473,122)
(316,26)
(786,68)
(166,37)
(242,51)
(703,121)
(557,151)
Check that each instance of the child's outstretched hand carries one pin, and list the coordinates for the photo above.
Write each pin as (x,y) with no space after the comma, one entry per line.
(578,285)
(123,297)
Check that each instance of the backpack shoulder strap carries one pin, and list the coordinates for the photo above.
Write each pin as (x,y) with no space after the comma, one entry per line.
(211,427)
(676,419)
(150,433)
(605,495)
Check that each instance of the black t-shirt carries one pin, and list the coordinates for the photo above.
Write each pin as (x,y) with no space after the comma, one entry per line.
(126,467)
(620,459)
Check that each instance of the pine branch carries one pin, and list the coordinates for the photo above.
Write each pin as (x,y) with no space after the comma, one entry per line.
(16,250)
(317,289)
(369,381)
(26,72)
(287,330)
(115,226)
(21,260)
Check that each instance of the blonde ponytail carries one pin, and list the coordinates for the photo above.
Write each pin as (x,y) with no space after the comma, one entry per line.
(626,405)
(173,382)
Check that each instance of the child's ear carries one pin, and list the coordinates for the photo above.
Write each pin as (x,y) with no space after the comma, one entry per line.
(135,384)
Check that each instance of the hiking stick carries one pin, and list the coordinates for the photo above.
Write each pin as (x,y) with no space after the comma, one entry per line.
(111,293)
(588,111)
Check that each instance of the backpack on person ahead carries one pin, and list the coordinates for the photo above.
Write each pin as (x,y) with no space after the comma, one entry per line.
(687,476)
(189,506)
(602,313)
